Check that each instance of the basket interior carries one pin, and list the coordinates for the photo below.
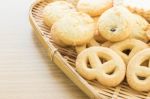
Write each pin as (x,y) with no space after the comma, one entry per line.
(123,91)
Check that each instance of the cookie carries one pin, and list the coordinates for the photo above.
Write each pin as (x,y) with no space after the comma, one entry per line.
(113,24)
(56,10)
(97,35)
(74,29)
(140,7)
(138,73)
(94,7)
(57,41)
(91,43)
(107,44)
(74,2)
(139,28)
(102,64)
(99,38)
(128,48)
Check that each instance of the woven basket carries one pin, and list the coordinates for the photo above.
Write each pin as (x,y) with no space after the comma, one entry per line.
(64,58)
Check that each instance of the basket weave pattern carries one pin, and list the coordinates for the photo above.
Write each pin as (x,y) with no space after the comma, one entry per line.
(96,90)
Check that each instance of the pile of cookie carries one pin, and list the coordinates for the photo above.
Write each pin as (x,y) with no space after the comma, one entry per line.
(111,40)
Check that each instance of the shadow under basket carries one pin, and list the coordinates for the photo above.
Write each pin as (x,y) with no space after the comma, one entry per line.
(65,58)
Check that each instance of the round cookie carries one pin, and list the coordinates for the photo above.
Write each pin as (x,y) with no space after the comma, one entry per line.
(94,7)
(56,10)
(113,24)
(74,29)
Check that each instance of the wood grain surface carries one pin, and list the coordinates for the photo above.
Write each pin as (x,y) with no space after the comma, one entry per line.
(25,69)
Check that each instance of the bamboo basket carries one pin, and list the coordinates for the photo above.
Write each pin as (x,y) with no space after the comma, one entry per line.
(64,58)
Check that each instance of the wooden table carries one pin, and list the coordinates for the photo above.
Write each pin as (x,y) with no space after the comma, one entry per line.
(25,69)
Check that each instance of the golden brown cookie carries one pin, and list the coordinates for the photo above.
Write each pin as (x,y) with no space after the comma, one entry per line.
(75,29)
(56,10)
(90,65)
(114,25)
(128,48)
(141,7)
(94,7)
(138,74)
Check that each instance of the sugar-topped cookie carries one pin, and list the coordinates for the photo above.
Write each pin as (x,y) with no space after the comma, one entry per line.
(74,29)
(56,10)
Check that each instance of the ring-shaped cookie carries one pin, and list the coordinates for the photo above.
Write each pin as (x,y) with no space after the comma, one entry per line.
(102,64)
(138,71)
(128,48)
